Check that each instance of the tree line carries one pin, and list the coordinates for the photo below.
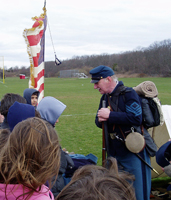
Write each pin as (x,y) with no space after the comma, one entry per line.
(154,60)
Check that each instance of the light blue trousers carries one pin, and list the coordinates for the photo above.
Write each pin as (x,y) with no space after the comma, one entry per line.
(132,164)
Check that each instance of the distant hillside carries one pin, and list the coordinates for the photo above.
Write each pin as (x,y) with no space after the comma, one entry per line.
(154,60)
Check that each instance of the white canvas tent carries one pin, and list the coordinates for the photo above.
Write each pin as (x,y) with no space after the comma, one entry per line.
(161,134)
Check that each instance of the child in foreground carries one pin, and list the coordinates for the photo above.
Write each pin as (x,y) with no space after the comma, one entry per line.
(99,183)
(30,157)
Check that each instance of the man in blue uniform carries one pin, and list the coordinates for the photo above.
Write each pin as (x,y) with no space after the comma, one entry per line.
(121,120)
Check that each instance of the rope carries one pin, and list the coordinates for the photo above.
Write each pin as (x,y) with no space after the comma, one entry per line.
(51,36)
(57,61)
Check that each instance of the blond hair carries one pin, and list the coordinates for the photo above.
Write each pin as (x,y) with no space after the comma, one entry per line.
(31,156)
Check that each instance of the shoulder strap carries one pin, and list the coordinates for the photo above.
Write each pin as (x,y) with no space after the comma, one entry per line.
(119,90)
(113,101)
(113,106)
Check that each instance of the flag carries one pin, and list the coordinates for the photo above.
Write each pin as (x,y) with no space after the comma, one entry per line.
(35,40)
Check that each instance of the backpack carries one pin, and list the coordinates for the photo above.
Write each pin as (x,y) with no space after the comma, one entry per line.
(151,107)
(151,112)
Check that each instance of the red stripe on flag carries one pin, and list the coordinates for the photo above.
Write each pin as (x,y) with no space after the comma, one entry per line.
(41,87)
(36,59)
(35,39)
(39,75)
(36,23)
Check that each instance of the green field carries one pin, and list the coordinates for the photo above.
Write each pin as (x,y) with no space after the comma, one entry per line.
(76,128)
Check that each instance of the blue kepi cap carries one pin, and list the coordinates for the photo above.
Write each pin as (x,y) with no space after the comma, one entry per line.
(100,72)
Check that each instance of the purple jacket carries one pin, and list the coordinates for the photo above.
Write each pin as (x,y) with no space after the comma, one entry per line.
(13,191)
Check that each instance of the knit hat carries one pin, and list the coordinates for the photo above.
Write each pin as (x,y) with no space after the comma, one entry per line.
(19,112)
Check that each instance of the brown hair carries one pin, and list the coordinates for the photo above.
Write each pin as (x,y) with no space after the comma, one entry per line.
(31,156)
(4,135)
(8,100)
(99,183)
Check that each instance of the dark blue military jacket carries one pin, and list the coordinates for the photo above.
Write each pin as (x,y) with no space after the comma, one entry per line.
(120,122)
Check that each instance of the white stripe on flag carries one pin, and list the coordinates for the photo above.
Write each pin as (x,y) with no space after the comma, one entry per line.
(35,49)
(38,69)
(36,31)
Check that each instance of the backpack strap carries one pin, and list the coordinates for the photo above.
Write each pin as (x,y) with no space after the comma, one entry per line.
(114,98)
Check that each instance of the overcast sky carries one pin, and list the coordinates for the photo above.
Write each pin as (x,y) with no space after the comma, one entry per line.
(83,27)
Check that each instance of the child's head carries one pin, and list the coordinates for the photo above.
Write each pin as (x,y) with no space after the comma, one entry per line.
(34,99)
(50,109)
(31,95)
(19,112)
(99,183)
(8,100)
(31,156)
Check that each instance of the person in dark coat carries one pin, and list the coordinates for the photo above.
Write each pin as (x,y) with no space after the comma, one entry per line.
(66,162)
(163,157)
(50,110)
(120,123)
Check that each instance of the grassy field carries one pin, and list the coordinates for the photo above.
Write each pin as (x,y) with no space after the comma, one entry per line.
(76,128)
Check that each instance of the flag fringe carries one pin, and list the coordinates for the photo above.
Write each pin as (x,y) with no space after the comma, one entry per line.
(32,83)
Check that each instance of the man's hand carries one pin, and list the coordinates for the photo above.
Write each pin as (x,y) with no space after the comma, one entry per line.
(103,114)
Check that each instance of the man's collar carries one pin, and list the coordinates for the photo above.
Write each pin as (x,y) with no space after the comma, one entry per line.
(114,87)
